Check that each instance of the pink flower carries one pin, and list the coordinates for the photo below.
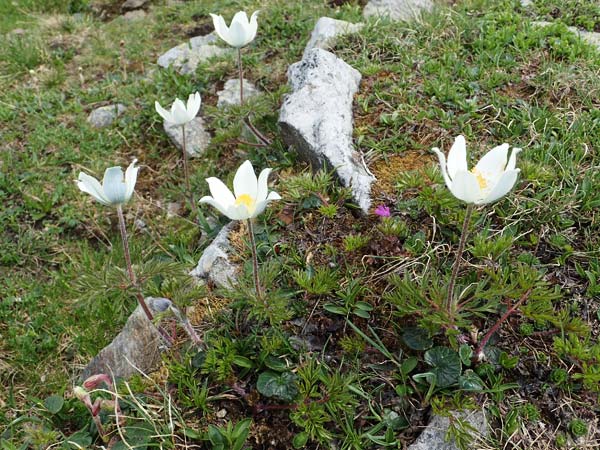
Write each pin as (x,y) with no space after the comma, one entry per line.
(383,211)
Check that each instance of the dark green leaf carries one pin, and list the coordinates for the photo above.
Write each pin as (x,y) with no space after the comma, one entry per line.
(278,385)
(470,381)
(417,338)
(54,403)
(445,364)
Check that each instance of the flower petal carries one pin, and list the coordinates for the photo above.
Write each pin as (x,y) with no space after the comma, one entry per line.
(457,157)
(90,185)
(503,187)
(163,112)
(180,113)
(238,212)
(238,33)
(220,192)
(253,27)
(263,188)
(220,27)
(465,187)
(211,201)
(114,186)
(245,181)
(443,168)
(261,205)
(512,161)
(130,179)
(493,163)
(193,104)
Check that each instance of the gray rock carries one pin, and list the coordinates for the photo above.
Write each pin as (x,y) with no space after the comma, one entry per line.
(185,57)
(129,5)
(397,9)
(327,30)
(197,138)
(138,345)
(230,95)
(433,436)
(105,115)
(590,37)
(526,3)
(214,264)
(138,14)
(316,119)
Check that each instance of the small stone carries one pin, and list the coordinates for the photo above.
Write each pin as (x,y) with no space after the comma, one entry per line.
(184,58)
(129,5)
(139,224)
(136,347)
(434,435)
(316,120)
(214,264)
(526,3)
(173,209)
(221,413)
(138,14)
(397,9)
(104,116)
(197,138)
(230,95)
(327,30)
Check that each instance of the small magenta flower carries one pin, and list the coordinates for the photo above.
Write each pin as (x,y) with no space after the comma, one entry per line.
(383,211)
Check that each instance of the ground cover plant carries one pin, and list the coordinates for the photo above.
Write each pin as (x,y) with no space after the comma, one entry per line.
(355,346)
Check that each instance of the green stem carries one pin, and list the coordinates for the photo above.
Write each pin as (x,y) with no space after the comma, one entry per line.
(130,271)
(241,74)
(450,305)
(257,286)
(186,174)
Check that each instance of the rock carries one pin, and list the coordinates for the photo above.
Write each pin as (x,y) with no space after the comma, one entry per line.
(129,5)
(397,9)
(197,138)
(433,437)
(327,30)
(526,3)
(230,95)
(316,119)
(105,115)
(173,209)
(138,14)
(214,264)
(590,37)
(185,57)
(138,345)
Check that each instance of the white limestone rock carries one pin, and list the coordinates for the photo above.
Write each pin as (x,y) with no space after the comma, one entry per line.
(397,9)
(197,139)
(214,264)
(316,119)
(104,116)
(230,95)
(327,30)
(186,57)
(433,437)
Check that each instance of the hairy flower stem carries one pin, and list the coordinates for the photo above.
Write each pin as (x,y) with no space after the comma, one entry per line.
(264,141)
(186,174)
(451,303)
(257,286)
(132,277)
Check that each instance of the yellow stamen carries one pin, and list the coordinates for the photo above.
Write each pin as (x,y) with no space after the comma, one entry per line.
(245,200)
(483,183)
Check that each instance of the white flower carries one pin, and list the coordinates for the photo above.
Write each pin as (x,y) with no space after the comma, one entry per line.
(115,189)
(180,114)
(241,31)
(488,181)
(250,198)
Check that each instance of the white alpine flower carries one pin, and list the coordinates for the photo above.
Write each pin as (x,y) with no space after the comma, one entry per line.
(180,113)
(241,31)
(115,189)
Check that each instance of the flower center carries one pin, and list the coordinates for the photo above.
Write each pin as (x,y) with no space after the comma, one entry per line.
(245,200)
(481,180)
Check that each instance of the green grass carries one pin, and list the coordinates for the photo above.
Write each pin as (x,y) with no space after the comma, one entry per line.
(353,329)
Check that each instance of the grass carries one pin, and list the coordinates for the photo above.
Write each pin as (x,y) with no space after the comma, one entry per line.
(354,330)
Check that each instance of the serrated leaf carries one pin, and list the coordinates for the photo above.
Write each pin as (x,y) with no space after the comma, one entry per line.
(417,338)
(54,403)
(445,364)
(278,385)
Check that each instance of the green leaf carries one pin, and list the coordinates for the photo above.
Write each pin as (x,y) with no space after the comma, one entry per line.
(361,313)
(445,364)
(417,338)
(276,364)
(242,361)
(281,386)
(364,306)
(334,309)
(240,433)
(54,403)
(466,353)
(300,440)
(470,381)
(408,365)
